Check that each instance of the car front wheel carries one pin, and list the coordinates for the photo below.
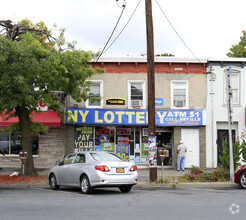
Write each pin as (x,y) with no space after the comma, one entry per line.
(242,180)
(85,185)
(125,189)
(53,182)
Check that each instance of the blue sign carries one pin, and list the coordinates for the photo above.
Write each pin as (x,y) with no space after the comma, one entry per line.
(133,117)
(158,101)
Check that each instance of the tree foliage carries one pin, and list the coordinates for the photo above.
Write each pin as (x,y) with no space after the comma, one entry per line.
(165,55)
(33,64)
(238,50)
(225,157)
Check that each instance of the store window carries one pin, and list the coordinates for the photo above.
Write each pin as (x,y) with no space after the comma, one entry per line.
(104,138)
(84,139)
(125,142)
(235,89)
(179,94)
(136,94)
(11,143)
(96,92)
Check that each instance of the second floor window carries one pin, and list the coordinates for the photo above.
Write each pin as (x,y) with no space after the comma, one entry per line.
(179,94)
(136,94)
(95,94)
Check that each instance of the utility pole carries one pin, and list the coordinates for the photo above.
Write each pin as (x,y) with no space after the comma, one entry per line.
(151,93)
(229,109)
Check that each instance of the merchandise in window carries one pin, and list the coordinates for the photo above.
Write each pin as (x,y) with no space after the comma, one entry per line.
(104,139)
(125,141)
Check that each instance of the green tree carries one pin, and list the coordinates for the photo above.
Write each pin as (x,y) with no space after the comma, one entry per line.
(165,55)
(238,50)
(32,65)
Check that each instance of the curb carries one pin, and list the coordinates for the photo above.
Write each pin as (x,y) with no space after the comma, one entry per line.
(143,186)
(188,185)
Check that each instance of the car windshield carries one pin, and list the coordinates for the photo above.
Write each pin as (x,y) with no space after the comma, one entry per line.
(106,157)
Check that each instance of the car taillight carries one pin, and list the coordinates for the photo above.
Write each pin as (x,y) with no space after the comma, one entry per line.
(133,168)
(102,168)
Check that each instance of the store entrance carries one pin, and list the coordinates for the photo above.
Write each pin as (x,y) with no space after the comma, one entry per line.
(164,142)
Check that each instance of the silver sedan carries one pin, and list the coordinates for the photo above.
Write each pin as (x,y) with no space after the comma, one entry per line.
(89,170)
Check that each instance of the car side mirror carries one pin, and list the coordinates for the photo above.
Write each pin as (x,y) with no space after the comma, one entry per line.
(57,163)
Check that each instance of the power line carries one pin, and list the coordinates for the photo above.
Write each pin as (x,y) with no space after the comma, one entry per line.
(123,8)
(123,27)
(176,31)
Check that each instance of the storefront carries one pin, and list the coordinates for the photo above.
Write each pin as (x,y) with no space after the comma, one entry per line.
(47,149)
(125,131)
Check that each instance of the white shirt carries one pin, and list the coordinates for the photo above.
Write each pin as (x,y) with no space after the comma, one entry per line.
(182,150)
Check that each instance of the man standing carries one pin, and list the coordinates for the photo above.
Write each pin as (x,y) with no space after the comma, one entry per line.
(181,150)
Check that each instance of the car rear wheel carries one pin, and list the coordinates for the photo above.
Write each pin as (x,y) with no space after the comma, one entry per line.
(53,182)
(242,180)
(85,185)
(125,189)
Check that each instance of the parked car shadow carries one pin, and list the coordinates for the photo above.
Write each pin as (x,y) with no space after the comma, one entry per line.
(97,191)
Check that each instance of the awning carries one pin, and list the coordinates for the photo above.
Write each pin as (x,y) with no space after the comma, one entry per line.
(47,118)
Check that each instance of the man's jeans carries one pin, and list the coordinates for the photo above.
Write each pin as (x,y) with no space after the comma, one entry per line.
(182,161)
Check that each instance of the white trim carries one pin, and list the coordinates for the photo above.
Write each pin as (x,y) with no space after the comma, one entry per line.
(101,95)
(129,82)
(186,87)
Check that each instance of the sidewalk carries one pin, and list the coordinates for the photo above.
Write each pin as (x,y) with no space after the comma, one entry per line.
(142,180)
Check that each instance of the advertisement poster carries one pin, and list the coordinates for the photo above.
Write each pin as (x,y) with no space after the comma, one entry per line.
(123,147)
(84,139)
(107,147)
(145,147)
(152,152)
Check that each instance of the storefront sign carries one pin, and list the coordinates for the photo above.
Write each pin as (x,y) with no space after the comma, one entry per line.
(115,101)
(123,131)
(133,117)
(158,101)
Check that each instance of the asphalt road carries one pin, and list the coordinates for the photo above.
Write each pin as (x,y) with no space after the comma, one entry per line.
(111,204)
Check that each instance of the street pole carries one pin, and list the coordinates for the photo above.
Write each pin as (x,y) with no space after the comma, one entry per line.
(151,93)
(229,109)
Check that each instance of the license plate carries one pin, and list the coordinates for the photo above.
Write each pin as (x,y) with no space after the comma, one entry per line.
(120,170)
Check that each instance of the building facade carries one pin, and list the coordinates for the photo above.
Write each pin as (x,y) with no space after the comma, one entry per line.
(217,108)
(118,122)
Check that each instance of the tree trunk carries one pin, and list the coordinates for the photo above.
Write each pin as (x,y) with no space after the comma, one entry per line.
(26,140)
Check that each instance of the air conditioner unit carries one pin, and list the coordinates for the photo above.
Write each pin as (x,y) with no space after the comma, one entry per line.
(136,103)
(179,103)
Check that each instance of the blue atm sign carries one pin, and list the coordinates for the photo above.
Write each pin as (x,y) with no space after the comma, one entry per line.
(133,117)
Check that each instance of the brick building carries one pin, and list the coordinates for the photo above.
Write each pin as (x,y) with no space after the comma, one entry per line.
(118,122)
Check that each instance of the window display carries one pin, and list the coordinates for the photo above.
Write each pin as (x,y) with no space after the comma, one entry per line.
(11,143)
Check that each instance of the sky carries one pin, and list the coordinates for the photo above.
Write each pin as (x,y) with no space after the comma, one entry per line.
(207,28)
